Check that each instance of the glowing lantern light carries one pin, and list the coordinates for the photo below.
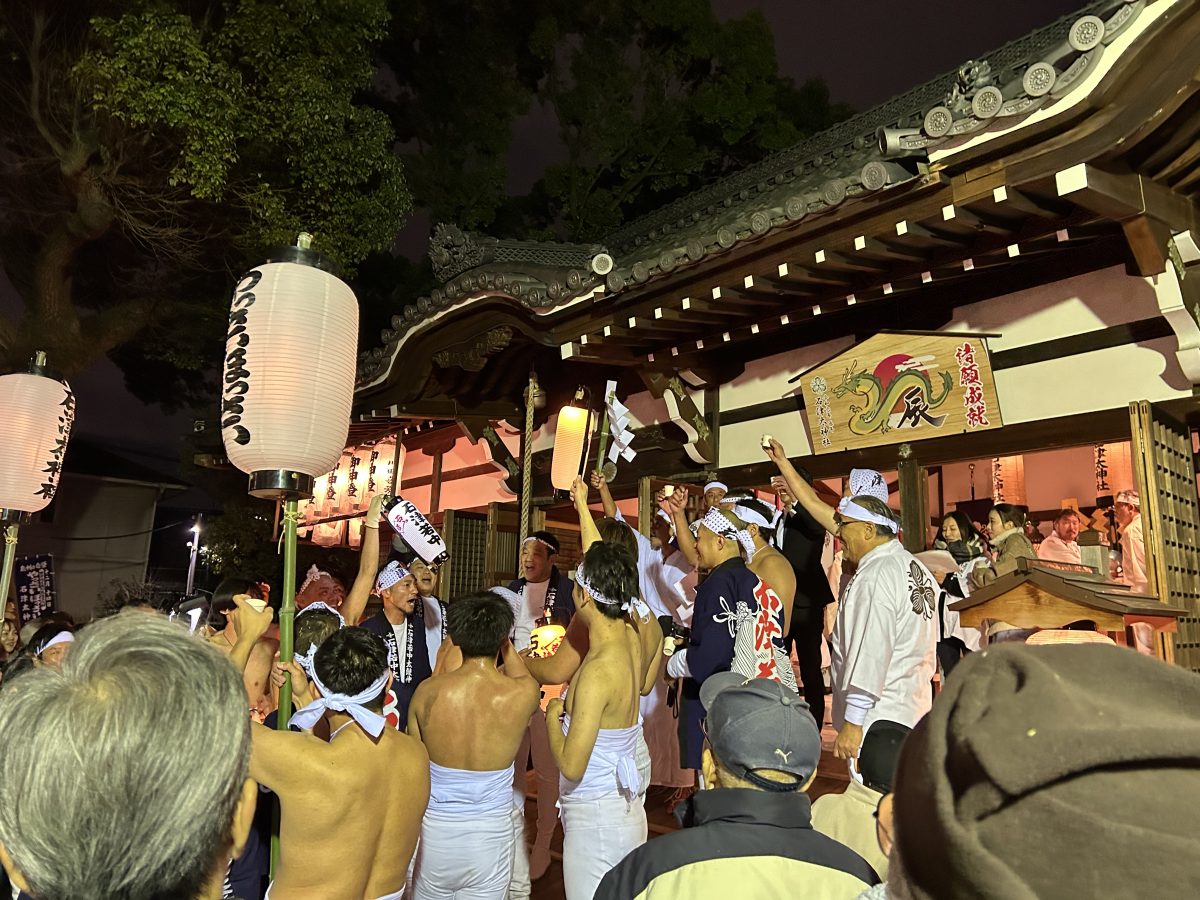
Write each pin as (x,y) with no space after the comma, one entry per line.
(545,637)
(572,441)
(289,372)
(38,411)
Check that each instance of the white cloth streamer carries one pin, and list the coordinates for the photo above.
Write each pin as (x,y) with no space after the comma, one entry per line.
(372,723)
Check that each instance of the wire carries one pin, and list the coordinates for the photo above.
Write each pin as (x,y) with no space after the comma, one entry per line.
(113,537)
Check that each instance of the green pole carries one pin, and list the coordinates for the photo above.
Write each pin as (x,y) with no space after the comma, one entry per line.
(10,554)
(287,616)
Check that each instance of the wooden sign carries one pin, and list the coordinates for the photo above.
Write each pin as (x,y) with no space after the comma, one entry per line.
(894,388)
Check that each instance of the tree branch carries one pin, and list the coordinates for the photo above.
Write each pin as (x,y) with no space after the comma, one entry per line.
(36,74)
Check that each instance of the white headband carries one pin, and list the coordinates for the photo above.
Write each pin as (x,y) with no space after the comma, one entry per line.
(716,486)
(372,723)
(389,575)
(633,603)
(847,507)
(321,604)
(63,637)
(549,546)
(305,660)
(1130,497)
(751,516)
(312,575)
(868,483)
(715,522)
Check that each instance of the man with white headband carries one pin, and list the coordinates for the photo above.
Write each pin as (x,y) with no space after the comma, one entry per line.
(757,519)
(50,646)
(541,587)
(661,568)
(737,625)
(882,648)
(402,628)
(595,733)
(1128,509)
(472,720)
(351,806)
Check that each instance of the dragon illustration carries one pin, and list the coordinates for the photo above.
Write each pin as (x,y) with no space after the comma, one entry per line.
(911,389)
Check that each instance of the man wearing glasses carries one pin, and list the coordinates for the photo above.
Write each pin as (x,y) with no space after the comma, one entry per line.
(882,649)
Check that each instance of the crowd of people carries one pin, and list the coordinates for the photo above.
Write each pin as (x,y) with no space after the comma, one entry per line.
(140,760)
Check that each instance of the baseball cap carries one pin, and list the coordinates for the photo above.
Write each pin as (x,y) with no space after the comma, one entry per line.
(757,723)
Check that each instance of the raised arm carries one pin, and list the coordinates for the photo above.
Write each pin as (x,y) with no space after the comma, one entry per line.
(601,485)
(804,493)
(674,507)
(588,532)
(355,603)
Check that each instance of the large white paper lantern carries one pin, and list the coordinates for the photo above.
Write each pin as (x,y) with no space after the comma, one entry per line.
(572,441)
(37,411)
(289,374)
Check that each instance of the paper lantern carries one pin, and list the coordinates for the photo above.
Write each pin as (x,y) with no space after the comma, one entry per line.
(545,639)
(572,440)
(417,532)
(38,411)
(289,374)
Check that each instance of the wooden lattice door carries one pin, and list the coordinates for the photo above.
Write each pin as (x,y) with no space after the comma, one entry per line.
(1166,479)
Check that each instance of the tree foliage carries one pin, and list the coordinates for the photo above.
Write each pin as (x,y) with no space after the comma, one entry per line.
(154,148)
(645,99)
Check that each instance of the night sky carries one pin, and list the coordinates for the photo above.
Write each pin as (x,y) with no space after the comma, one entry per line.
(867,50)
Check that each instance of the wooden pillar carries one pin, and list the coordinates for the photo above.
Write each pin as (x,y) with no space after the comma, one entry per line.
(914,503)
(645,505)
(435,485)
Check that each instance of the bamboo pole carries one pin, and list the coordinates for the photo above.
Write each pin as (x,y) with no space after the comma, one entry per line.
(10,555)
(287,616)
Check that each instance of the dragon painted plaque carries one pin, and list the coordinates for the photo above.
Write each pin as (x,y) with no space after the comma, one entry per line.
(898,387)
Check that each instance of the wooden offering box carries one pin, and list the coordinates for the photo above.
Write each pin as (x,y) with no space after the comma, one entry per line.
(1043,594)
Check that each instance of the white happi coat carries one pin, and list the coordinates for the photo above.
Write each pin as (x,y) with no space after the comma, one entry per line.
(883,643)
(658,580)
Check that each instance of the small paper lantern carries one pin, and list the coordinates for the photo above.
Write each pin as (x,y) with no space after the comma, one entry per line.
(417,532)
(289,374)
(572,441)
(37,411)
(545,639)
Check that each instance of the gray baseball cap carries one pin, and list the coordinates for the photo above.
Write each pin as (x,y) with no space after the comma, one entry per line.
(757,723)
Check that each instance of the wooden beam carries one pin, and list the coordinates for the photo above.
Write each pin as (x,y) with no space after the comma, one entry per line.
(1147,239)
(914,503)
(748,299)
(452,410)
(1125,196)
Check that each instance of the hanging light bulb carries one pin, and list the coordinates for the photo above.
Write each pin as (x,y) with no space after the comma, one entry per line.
(572,441)
(37,410)
(289,372)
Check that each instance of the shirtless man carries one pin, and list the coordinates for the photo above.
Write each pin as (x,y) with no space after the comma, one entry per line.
(472,721)
(594,736)
(351,807)
(256,672)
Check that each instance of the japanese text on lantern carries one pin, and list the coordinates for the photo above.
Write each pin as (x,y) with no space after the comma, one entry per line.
(824,413)
(968,379)
(237,376)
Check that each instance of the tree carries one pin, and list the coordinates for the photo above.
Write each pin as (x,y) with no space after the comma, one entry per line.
(153,148)
(644,100)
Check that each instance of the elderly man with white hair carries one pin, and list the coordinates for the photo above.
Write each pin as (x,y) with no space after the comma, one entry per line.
(126,774)
(882,647)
